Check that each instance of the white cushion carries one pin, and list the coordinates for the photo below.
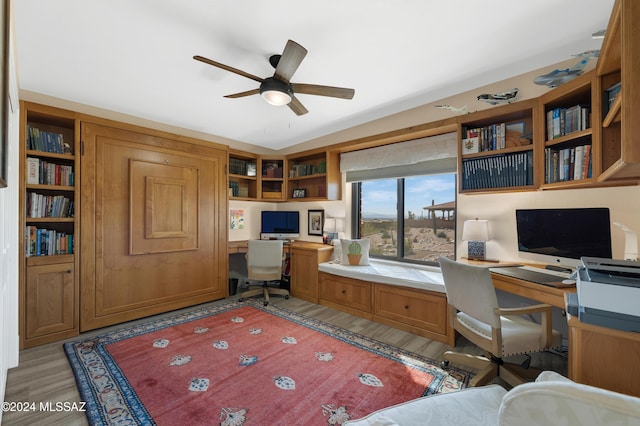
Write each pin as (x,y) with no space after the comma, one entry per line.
(472,406)
(561,402)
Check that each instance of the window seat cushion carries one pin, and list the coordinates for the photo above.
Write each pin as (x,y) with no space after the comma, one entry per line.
(388,272)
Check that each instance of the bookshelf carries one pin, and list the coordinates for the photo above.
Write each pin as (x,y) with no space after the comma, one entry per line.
(49,185)
(567,121)
(314,175)
(496,149)
(619,64)
(243,176)
(272,178)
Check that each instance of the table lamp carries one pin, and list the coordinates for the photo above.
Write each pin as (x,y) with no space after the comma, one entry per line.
(476,233)
(329,230)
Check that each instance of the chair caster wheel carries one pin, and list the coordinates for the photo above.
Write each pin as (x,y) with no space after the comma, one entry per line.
(240,300)
(444,364)
(265,303)
(286,297)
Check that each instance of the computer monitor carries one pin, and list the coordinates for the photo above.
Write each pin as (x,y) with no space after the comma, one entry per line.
(280,225)
(562,236)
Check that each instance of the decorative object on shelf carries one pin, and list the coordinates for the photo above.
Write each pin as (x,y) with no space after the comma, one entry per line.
(470,145)
(278,90)
(457,110)
(557,77)
(476,233)
(499,98)
(316,222)
(299,193)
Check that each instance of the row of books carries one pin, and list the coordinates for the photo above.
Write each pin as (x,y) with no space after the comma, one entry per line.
(39,140)
(241,167)
(487,138)
(40,205)
(47,242)
(563,121)
(47,173)
(567,164)
(498,171)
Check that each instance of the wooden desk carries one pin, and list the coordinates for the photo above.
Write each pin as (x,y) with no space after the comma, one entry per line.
(604,357)
(538,292)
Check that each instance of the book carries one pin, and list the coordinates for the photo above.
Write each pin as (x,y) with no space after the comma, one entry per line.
(33,170)
(470,145)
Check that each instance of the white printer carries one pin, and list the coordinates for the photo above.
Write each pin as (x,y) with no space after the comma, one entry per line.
(609,293)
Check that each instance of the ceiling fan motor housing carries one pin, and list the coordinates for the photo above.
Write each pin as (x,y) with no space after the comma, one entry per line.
(276,92)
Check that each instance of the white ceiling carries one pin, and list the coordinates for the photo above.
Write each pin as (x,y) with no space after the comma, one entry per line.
(135,56)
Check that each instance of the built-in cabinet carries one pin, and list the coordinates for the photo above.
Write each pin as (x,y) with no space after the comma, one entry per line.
(619,62)
(304,258)
(418,311)
(48,279)
(309,176)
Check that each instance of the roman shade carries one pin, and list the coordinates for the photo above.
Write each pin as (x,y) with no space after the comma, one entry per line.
(424,156)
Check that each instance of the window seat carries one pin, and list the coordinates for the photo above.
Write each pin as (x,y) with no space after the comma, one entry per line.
(389,272)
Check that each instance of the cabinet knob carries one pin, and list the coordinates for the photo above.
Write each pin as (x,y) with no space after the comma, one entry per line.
(68,271)
(406,306)
(344,291)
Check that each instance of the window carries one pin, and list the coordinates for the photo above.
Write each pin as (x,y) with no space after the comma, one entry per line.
(410,219)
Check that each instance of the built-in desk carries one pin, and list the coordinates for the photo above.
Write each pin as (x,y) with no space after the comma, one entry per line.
(538,292)
(304,257)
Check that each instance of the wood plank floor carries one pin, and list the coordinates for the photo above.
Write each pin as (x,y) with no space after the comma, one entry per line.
(44,374)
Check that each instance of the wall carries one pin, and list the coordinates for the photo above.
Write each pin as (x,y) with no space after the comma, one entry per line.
(9,338)
(499,209)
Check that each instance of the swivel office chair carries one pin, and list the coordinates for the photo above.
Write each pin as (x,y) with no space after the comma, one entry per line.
(264,263)
(475,314)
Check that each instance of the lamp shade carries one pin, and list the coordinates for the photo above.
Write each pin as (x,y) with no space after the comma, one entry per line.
(475,230)
(330,224)
(276,92)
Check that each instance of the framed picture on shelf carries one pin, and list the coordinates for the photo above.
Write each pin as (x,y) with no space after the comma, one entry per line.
(299,193)
(316,222)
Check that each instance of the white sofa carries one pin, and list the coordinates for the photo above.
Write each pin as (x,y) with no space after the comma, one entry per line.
(551,400)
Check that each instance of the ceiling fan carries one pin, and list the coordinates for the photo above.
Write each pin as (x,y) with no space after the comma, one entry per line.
(278,90)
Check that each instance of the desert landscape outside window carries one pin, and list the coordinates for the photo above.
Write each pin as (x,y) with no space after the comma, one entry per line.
(411,219)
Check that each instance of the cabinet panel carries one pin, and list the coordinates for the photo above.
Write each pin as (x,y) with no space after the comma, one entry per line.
(50,300)
(416,308)
(347,292)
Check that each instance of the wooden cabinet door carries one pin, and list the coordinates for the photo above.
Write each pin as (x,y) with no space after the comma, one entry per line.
(346,292)
(304,274)
(49,298)
(154,225)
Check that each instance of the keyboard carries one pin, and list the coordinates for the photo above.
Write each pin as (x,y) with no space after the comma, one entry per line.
(536,275)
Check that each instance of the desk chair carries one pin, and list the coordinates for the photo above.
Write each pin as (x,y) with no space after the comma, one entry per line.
(264,263)
(475,314)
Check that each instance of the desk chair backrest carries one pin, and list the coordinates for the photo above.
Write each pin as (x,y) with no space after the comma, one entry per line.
(470,290)
(264,259)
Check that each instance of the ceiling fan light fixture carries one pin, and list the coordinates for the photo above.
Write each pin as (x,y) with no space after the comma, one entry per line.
(276,92)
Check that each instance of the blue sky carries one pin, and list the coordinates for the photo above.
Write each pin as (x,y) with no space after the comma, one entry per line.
(379,196)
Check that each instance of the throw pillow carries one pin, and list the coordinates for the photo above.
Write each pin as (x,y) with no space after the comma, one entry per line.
(355,252)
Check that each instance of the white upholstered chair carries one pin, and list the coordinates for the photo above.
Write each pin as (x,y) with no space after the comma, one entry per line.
(264,263)
(475,314)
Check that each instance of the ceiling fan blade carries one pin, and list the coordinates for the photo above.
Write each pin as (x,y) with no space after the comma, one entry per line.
(243,94)
(290,60)
(228,68)
(297,107)
(314,89)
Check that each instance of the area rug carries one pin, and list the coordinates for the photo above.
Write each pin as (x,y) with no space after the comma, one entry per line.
(238,364)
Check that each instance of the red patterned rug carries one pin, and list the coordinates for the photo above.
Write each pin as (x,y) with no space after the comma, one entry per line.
(245,364)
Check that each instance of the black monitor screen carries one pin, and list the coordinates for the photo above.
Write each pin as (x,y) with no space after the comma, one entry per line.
(274,222)
(569,233)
